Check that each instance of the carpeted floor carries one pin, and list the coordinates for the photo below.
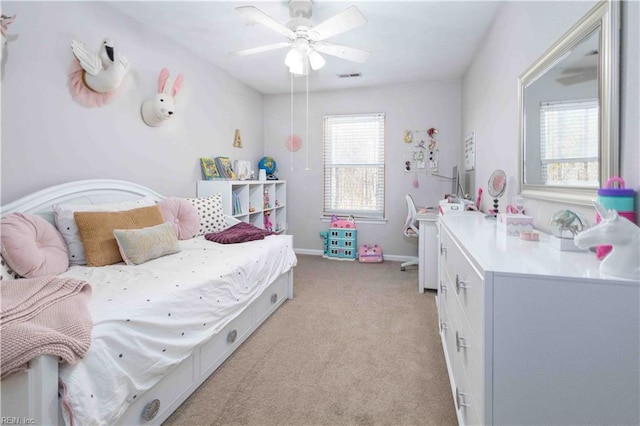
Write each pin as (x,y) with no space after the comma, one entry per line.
(357,345)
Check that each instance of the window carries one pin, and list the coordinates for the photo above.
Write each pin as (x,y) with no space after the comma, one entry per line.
(569,143)
(354,165)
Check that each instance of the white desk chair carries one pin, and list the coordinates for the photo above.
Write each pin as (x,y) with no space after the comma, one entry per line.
(411,228)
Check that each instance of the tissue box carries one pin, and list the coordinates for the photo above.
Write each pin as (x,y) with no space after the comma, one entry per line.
(513,224)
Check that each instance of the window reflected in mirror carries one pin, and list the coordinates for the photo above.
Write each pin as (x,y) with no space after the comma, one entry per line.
(569,116)
(562,120)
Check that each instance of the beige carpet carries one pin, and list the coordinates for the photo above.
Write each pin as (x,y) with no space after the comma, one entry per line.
(357,345)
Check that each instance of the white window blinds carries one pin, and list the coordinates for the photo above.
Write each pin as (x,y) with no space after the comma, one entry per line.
(354,165)
(569,142)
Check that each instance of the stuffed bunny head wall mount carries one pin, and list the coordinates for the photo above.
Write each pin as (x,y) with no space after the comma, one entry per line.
(161,106)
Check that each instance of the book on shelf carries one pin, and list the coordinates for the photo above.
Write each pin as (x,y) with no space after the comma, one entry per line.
(209,169)
(224,167)
(237,207)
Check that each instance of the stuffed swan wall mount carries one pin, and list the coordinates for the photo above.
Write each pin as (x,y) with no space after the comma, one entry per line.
(161,107)
(5,21)
(96,75)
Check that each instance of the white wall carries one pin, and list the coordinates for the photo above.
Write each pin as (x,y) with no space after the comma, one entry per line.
(520,34)
(48,138)
(407,107)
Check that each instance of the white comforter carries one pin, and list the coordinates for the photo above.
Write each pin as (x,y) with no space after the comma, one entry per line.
(148,318)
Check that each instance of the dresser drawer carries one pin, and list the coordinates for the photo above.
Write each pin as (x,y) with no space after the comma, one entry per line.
(469,358)
(464,282)
(465,361)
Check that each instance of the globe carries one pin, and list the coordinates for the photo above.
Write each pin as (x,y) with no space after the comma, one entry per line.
(268,164)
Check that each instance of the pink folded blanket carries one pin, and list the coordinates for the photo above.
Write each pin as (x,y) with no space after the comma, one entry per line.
(43,316)
(238,233)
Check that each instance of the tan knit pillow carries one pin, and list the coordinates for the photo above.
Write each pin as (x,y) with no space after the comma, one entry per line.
(96,231)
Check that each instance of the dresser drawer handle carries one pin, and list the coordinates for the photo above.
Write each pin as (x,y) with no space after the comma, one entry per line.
(231,337)
(461,342)
(460,284)
(443,287)
(274,297)
(443,249)
(151,410)
(444,326)
(461,398)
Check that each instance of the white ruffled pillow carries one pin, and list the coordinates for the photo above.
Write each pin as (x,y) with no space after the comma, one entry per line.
(66,224)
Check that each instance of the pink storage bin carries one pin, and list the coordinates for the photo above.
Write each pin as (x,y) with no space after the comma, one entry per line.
(370,254)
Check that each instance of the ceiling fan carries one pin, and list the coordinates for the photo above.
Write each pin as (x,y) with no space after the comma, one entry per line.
(306,40)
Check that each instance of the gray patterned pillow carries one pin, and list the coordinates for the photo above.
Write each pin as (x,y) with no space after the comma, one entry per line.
(6,272)
(210,212)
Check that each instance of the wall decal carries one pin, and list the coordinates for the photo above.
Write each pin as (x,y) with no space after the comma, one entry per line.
(237,140)
(95,76)
(161,106)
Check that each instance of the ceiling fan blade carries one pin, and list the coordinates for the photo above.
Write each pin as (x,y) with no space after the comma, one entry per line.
(253,15)
(260,49)
(346,20)
(344,52)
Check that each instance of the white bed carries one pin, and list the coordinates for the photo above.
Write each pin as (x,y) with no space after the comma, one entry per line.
(160,328)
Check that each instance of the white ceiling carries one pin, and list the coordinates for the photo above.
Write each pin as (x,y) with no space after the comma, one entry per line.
(410,41)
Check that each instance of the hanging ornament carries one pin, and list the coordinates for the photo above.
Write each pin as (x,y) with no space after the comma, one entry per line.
(293,143)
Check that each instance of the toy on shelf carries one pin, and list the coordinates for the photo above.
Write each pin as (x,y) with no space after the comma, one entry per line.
(267,205)
(267,221)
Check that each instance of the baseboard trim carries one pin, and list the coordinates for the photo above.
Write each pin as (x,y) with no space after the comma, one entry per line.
(389,257)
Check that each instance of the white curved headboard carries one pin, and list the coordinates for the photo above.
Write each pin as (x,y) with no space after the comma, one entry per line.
(92,191)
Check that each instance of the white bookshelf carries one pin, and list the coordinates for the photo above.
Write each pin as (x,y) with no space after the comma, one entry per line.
(250,196)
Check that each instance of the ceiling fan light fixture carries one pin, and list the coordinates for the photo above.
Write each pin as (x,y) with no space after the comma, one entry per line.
(316,60)
(293,58)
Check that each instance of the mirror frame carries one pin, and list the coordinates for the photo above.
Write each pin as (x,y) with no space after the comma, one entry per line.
(606,16)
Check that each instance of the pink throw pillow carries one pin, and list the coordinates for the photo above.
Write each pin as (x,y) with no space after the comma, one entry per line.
(182,215)
(32,246)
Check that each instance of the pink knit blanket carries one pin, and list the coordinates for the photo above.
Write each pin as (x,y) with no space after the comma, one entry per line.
(43,316)
(238,233)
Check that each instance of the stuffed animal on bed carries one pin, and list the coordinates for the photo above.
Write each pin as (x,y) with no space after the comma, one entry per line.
(161,106)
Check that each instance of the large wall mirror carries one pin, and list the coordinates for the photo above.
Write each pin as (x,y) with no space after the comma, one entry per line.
(569,112)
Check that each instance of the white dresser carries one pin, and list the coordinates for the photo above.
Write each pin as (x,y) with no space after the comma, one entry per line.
(533,335)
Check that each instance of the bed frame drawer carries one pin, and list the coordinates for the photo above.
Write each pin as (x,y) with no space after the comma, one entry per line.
(213,353)
(269,301)
(153,405)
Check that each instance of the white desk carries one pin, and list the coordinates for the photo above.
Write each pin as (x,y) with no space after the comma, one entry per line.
(428,251)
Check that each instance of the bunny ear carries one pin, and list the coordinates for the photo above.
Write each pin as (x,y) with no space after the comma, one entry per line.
(162,79)
(177,85)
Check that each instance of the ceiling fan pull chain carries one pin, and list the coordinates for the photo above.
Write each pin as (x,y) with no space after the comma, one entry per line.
(307,125)
(291,150)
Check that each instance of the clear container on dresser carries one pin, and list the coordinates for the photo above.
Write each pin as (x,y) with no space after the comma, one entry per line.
(250,200)
(534,335)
